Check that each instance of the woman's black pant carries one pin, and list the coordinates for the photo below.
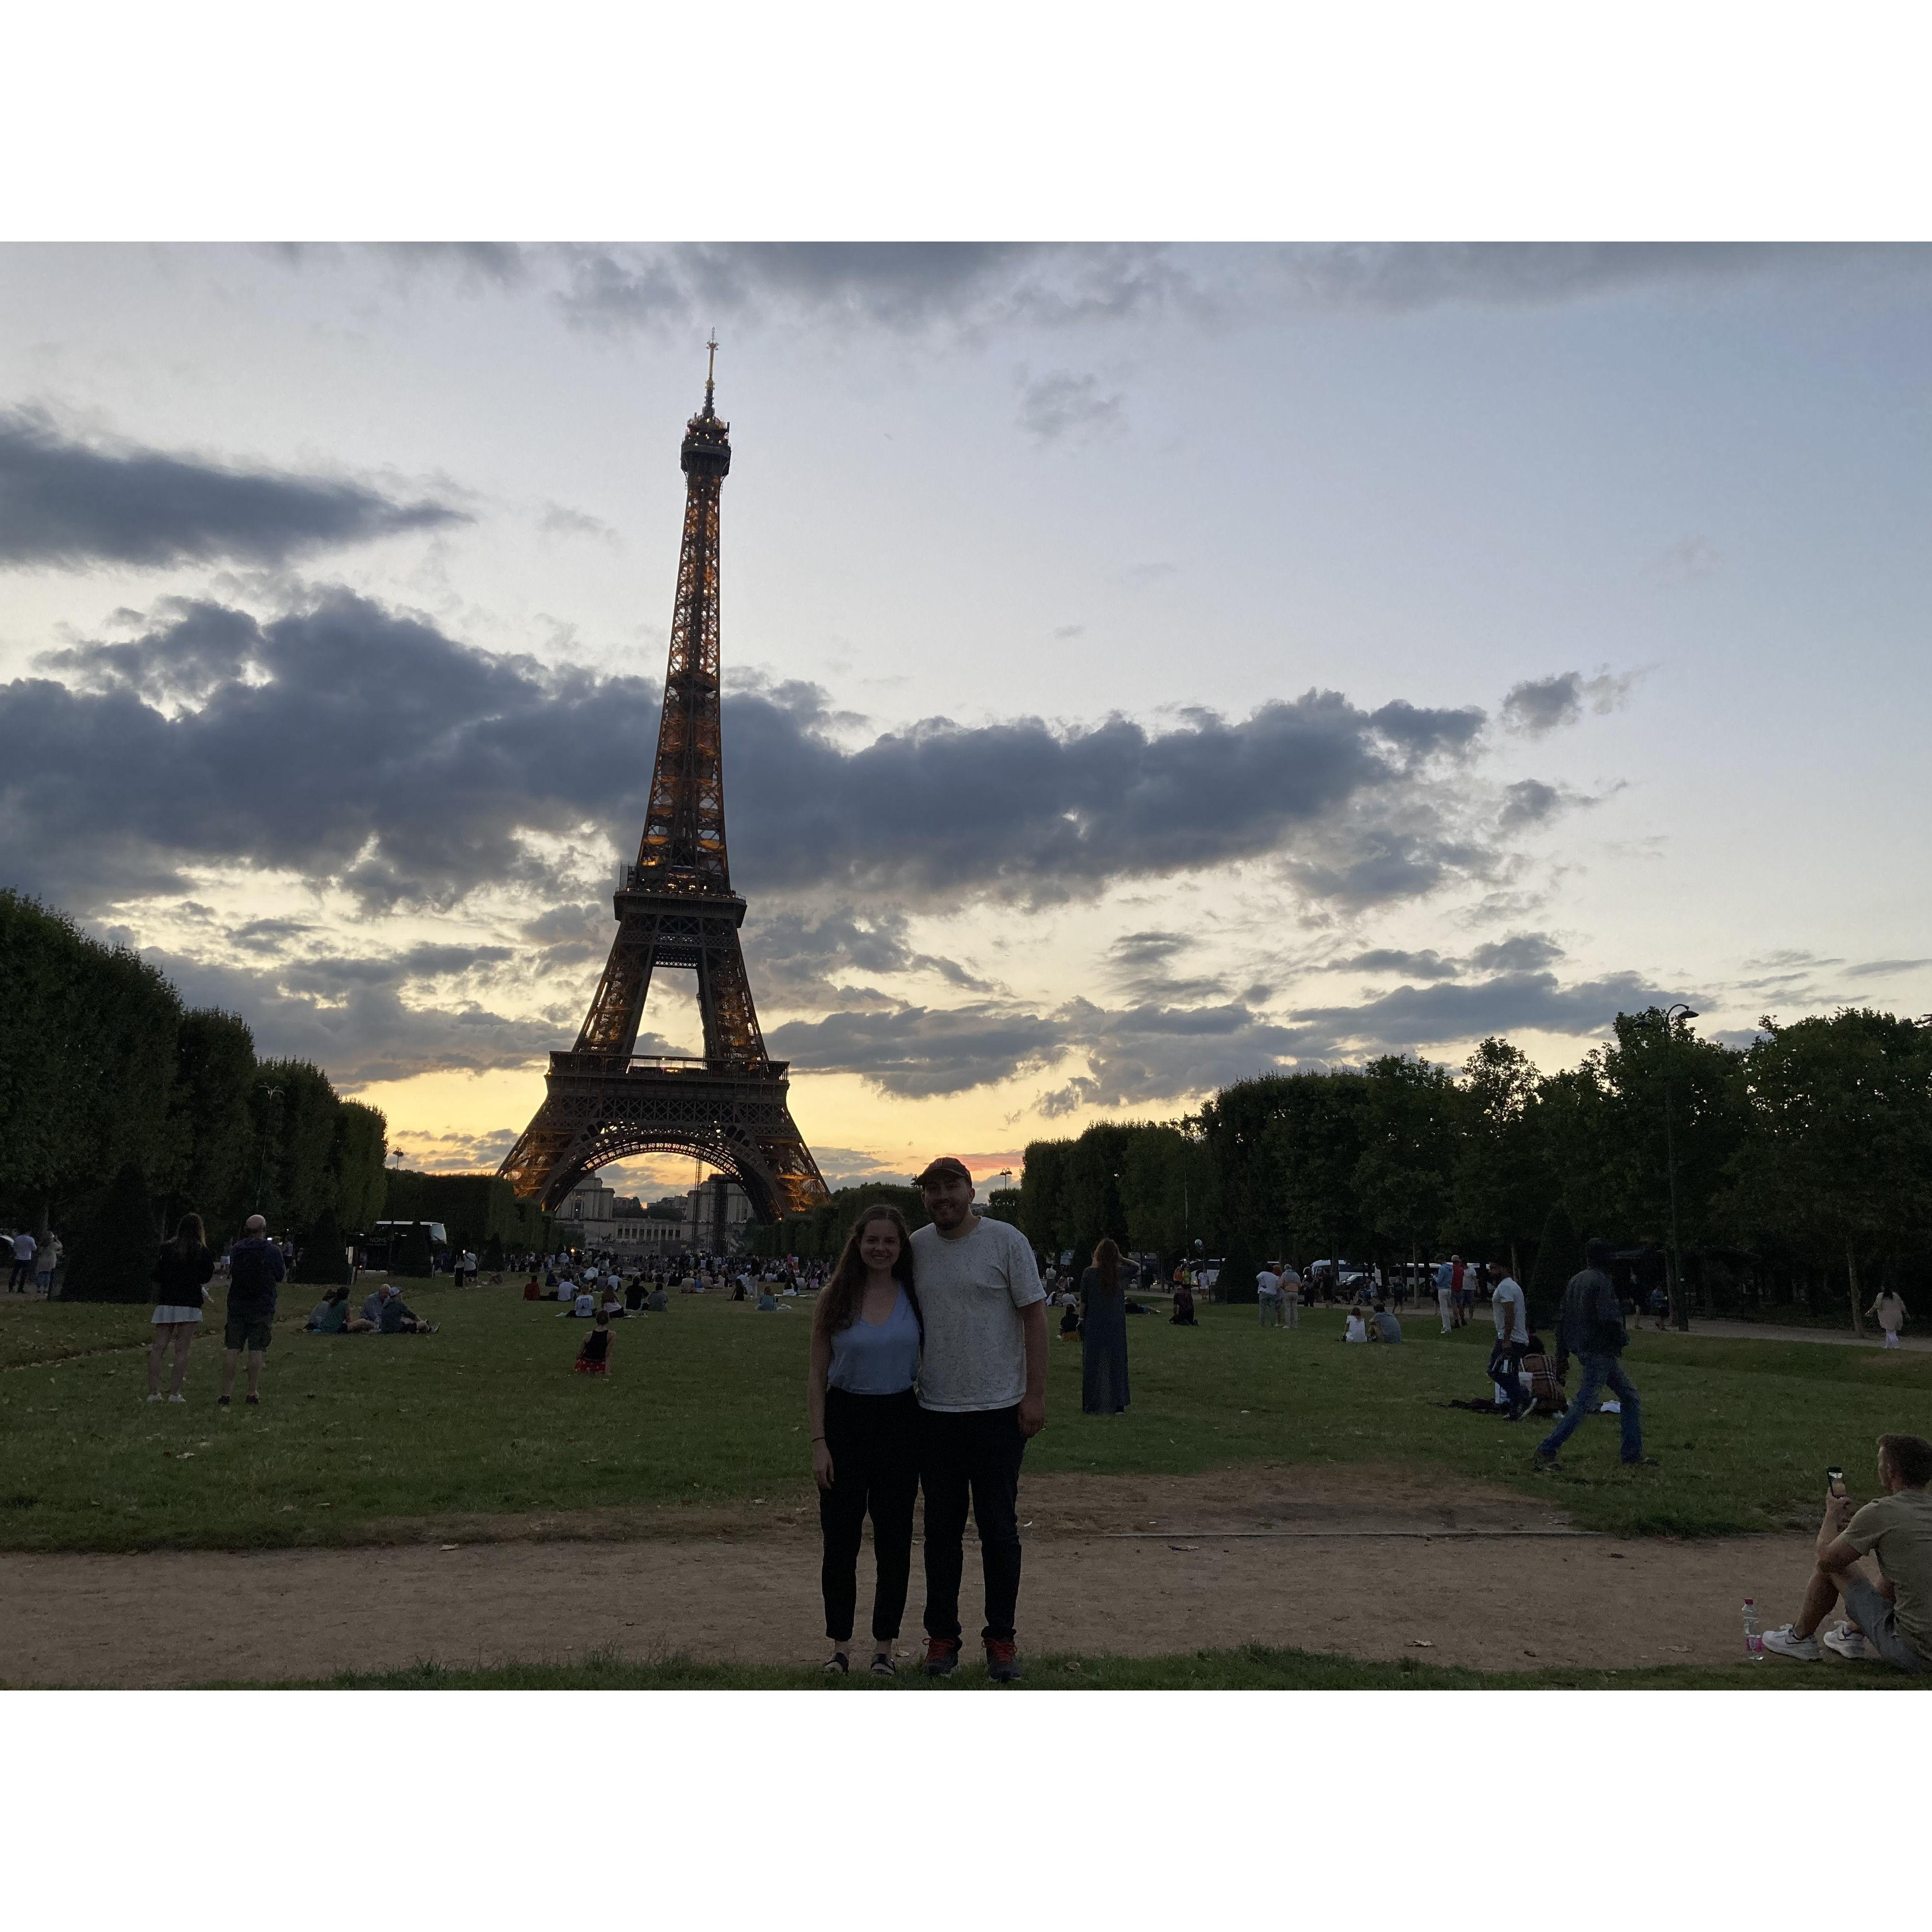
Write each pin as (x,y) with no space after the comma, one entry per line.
(875,1444)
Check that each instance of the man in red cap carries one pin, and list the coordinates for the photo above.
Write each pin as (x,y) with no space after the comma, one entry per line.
(982,1393)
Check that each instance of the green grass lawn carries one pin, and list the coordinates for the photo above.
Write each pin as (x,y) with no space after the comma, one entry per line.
(1256,1667)
(705,1407)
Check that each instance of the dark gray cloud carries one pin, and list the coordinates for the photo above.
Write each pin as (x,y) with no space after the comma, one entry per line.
(973,287)
(1429,965)
(70,504)
(1155,1051)
(916,1051)
(1540,705)
(1061,404)
(802,957)
(350,743)
(1884,969)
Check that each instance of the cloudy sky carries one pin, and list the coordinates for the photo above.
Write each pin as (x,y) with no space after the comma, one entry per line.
(1146,666)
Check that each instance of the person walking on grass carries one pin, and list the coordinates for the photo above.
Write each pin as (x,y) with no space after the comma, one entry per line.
(1591,1328)
(860,1406)
(1510,1312)
(1890,1620)
(256,1268)
(181,1278)
(1890,1313)
(982,1397)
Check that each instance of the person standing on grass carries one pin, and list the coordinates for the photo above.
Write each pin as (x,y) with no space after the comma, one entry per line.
(982,1396)
(1445,1294)
(1511,1314)
(1103,1334)
(1289,1313)
(863,1413)
(1592,1327)
(255,1268)
(180,1277)
(1268,1295)
(1890,1620)
(1890,1313)
(23,1245)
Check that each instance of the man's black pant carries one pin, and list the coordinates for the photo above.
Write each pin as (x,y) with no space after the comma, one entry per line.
(23,1274)
(875,1444)
(1506,1369)
(977,1454)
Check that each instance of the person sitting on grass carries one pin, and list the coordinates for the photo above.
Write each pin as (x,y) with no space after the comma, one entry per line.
(594,1358)
(1383,1327)
(1183,1316)
(1891,1619)
(398,1318)
(533,1289)
(330,1315)
(658,1300)
(611,1302)
(1070,1323)
(1546,1396)
(1358,1329)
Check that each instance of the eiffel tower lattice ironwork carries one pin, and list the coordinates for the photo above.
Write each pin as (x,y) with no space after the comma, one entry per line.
(676,907)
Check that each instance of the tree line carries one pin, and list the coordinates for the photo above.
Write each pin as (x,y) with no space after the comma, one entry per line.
(1803,1165)
(121,1109)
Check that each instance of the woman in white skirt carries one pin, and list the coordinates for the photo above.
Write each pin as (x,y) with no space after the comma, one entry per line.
(180,1277)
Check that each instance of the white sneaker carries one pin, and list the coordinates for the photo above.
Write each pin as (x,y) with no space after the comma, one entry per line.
(1783,1642)
(177,1397)
(1846,1640)
(156,1396)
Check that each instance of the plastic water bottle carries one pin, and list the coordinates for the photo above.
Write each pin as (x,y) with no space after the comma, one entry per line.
(1753,1637)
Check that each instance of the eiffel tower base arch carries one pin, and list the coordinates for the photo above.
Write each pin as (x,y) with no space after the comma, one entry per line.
(601,1108)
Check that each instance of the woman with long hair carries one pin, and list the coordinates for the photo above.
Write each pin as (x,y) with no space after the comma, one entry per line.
(181,1278)
(859,1400)
(1103,1335)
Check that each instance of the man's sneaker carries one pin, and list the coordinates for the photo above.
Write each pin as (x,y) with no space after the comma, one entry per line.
(1848,1640)
(177,1396)
(1002,1666)
(942,1656)
(252,1400)
(1784,1641)
(1543,1461)
(157,1396)
(221,1401)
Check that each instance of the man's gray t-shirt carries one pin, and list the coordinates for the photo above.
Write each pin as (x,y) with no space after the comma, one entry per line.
(971,1293)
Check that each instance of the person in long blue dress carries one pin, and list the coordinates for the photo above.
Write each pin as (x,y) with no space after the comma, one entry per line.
(1103,1334)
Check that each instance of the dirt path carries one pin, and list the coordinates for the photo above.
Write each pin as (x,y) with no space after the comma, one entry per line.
(1377,1565)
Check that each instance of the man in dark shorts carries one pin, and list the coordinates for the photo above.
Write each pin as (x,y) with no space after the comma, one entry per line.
(982,1395)
(255,1270)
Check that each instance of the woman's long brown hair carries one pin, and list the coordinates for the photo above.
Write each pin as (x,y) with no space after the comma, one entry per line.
(189,1236)
(838,1299)
(1107,1259)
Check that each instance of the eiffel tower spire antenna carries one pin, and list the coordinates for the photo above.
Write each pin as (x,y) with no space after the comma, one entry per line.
(675,907)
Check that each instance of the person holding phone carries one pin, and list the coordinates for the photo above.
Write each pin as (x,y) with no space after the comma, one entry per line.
(1890,1619)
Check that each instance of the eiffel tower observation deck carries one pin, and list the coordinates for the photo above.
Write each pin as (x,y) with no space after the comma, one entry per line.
(676,908)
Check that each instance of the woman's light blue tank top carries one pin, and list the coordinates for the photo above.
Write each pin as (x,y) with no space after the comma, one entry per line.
(883,1361)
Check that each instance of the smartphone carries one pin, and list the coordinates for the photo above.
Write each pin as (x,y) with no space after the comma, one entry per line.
(1834,1482)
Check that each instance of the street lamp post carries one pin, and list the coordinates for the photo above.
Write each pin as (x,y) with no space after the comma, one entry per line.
(1680,1313)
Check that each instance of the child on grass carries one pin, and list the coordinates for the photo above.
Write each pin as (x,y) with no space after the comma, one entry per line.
(594,1358)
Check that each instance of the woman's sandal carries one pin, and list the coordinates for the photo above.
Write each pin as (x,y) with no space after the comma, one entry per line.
(838,1664)
(884,1666)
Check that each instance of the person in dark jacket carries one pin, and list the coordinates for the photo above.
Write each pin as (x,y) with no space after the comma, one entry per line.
(1591,1328)
(181,1278)
(398,1317)
(256,1269)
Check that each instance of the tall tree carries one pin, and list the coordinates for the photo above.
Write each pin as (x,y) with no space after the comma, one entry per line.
(214,1135)
(1839,1155)
(116,1245)
(1503,1183)
(1401,1182)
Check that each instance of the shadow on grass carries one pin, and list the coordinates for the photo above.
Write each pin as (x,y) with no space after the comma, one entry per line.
(1253,1667)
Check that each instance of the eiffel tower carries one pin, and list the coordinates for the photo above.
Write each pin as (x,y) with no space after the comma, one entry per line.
(676,907)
